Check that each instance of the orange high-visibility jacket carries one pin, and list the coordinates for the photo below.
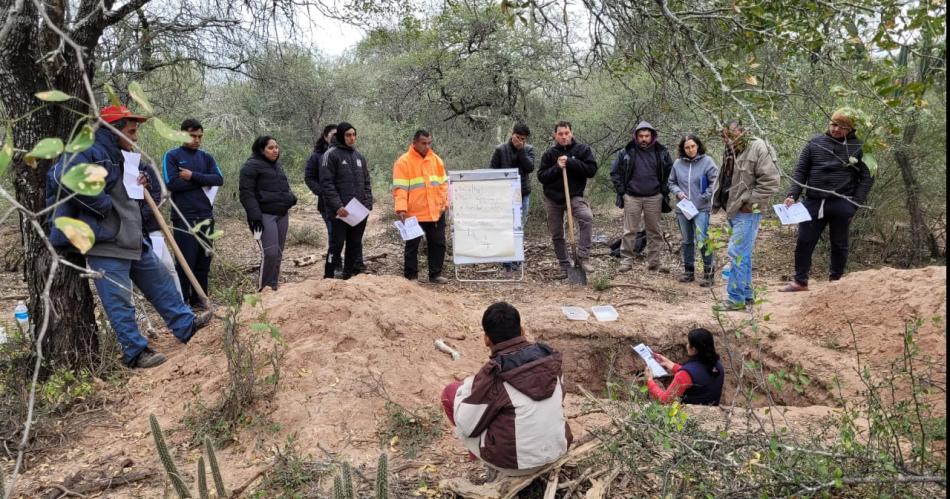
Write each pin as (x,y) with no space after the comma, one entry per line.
(420,185)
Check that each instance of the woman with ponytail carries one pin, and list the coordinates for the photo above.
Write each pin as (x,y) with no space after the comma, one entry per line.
(699,380)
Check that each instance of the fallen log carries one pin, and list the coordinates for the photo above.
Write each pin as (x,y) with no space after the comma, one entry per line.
(70,487)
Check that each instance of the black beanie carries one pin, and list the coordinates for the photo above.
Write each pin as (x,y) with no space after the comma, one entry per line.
(341,130)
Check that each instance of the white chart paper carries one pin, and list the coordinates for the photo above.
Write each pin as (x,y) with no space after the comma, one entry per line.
(483,224)
(130,175)
(688,208)
(647,355)
(356,213)
(793,214)
(409,229)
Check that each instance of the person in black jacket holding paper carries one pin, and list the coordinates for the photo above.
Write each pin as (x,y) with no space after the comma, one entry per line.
(344,175)
(266,196)
(578,161)
(832,180)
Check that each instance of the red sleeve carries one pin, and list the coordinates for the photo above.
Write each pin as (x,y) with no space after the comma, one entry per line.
(681,382)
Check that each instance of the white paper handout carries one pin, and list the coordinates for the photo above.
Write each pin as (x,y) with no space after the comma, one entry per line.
(793,214)
(130,175)
(356,213)
(647,355)
(688,208)
(212,192)
(409,229)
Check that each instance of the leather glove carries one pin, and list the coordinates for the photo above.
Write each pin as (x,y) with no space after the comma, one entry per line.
(255,225)
(619,201)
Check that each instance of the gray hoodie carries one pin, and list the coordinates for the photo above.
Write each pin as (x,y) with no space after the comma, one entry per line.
(687,177)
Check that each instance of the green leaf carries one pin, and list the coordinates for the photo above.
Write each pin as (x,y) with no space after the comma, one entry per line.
(252,299)
(78,233)
(47,148)
(169,133)
(6,153)
(53,96)
(218,234)
(871,162)
(82,141)
(113,97)
(138,95)
(87,179)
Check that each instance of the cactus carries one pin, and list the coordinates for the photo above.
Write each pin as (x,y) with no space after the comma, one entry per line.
(382,477)
(338,488)
(215,470)
(202,479)
(347,477)
(167,460)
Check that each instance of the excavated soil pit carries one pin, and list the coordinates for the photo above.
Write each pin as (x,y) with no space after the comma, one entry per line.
(593,362)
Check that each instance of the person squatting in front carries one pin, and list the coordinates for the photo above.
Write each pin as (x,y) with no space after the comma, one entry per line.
(121,255)
(510,414)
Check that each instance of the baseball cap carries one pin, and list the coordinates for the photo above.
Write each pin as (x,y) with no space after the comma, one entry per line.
(111,114)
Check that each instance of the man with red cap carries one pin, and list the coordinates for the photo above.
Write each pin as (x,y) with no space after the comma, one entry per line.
(120,254)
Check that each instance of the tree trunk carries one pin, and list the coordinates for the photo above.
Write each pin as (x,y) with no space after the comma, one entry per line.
(71,339)
(923,244)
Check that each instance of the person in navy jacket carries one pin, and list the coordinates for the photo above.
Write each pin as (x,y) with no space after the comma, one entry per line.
(189,174)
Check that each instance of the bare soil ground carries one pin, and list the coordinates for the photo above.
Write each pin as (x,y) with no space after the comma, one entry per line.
(353,346)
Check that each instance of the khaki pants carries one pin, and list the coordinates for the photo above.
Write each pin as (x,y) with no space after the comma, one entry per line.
(583,219)
(646,210)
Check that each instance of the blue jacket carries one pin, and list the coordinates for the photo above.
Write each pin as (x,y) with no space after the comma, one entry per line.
(115,219)
(189,195)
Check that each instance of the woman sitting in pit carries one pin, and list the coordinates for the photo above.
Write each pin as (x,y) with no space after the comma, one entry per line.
(699,380)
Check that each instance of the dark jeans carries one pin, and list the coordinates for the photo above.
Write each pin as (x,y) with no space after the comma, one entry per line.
(328,219)
(192,247)
(435,250)
(837,216)
(350,238)
(693,232)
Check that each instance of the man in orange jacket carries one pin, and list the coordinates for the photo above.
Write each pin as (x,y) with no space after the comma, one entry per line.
(420,189)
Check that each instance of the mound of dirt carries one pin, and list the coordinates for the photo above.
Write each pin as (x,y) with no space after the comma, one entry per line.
(815,327)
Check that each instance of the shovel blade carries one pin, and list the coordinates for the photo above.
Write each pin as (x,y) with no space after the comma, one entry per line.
(576,275)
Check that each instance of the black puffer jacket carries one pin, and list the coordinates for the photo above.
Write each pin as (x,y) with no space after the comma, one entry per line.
(344,175)
(264,188)
(581,166)
(312,173)
(825,164)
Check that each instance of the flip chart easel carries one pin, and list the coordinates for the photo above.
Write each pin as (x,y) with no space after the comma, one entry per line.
(485,211)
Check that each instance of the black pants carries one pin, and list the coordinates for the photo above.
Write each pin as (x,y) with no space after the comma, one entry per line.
(350,237)
(435,250)
(837,216)
(192,247)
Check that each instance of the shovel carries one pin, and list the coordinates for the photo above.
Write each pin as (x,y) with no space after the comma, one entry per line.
(575,274)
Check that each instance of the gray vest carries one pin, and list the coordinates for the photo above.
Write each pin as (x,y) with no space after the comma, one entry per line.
(125,221)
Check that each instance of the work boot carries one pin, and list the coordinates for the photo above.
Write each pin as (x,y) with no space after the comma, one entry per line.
(687,277)
(707,281)
(438,280)
(147,358)
(202,319)
(658,268)
(585,264)
(624,267)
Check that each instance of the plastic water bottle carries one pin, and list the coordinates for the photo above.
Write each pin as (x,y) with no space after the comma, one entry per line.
(22,316)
